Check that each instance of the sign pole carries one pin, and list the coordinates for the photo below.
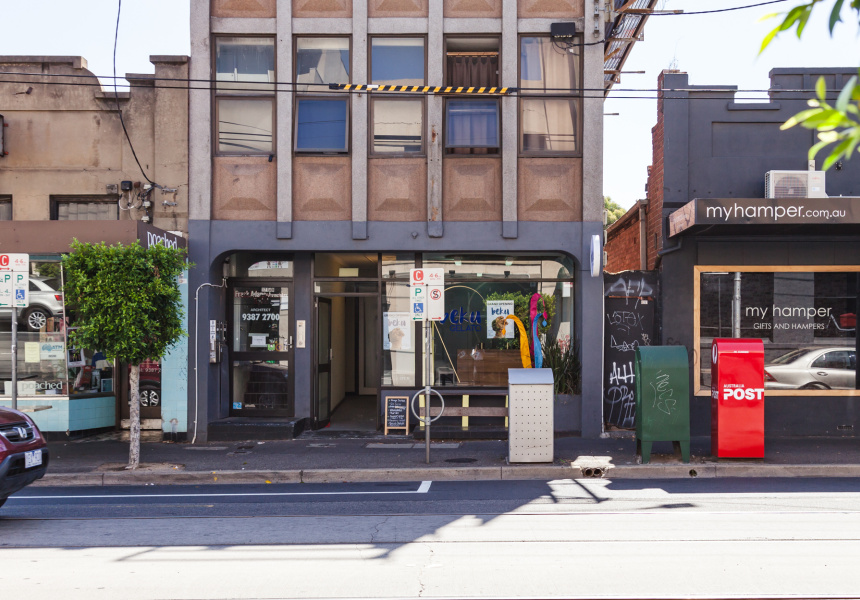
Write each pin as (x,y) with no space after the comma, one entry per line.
(427,367)
(14,358)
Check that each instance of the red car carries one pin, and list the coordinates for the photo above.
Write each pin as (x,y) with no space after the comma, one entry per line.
(23,452)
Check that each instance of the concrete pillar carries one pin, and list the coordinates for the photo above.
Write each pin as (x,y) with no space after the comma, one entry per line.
(200,130)
(592,123)
(359,121)
(510,114)
(435,73)
(284,119)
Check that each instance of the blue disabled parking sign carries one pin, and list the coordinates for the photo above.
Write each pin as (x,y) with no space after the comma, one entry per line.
(20,295)
(418,308)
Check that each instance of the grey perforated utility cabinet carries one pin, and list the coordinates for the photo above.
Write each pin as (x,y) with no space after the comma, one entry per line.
(530,410)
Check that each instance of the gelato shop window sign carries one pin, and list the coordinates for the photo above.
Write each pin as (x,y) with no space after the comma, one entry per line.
(805,316)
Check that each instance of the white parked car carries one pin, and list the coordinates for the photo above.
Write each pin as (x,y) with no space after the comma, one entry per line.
(830,368)
(45,302)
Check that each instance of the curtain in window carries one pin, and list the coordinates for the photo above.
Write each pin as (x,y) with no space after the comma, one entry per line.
(549,124)
(5,211)
(545,67)
(473,71)
(473,126)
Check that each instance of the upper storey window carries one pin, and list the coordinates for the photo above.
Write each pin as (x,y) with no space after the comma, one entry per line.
(322,117)
(398,121)
(550,96)
(472,124)
(245,88)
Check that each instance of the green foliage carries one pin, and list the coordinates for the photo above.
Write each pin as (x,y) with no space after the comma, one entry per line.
(839,125)
(125,299)
(614,211)
(522,312)
(563,358)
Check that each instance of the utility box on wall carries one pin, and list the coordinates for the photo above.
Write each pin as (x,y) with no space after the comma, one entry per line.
(530,415)
(737,398)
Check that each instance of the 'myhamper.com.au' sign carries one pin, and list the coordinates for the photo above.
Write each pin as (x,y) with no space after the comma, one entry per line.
(765,211)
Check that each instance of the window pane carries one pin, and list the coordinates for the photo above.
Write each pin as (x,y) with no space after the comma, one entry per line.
(807,321)
(321,125)
(242,62)
(260,319)
(543,66)
(5,211)
(475,344)
(498,266)
(244,126)
(398,336)
(549,125)
(87,211)
(397,61)
(253,264)
(397,125)
(472,124)
(320,61)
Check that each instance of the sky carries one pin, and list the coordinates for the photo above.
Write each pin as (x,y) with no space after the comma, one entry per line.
(715,49)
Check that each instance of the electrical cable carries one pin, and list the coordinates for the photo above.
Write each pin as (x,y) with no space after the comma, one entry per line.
(116,97)
(706,12)
(577,92)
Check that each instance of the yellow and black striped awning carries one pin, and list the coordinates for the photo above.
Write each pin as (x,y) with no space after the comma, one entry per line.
(423,89)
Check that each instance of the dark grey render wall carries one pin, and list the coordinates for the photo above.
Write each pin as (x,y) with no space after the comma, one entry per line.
(716,147)
(213,240)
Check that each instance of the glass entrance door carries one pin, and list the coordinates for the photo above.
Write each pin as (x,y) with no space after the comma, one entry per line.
(261,349)
(324,355)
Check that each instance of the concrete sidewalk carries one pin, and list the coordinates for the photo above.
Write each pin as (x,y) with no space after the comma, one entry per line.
(327,457)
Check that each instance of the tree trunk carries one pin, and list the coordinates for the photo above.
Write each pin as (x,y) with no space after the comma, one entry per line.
(134,417)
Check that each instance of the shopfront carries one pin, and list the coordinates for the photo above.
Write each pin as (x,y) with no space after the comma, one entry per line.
(794,286)
(70,390)
(362,343)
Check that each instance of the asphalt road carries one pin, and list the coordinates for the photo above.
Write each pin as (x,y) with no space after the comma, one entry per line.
(749,538)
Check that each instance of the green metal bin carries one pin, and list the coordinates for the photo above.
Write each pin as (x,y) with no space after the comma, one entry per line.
(662,399)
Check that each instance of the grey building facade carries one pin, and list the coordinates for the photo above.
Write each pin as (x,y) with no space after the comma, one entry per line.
(309,203)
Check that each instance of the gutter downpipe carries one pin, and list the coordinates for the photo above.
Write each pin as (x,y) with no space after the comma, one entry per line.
(196,351)
(643,236)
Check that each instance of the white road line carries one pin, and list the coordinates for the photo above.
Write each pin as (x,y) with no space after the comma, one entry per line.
(422,489)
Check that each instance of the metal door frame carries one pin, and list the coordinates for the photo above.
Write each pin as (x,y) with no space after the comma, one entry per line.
(261,356)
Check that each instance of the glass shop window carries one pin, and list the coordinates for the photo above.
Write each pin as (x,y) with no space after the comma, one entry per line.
(807,321)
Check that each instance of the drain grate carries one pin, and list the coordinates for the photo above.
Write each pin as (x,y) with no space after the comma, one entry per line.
(461,460)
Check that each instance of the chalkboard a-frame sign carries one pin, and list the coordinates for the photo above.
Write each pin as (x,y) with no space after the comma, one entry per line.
(397,413)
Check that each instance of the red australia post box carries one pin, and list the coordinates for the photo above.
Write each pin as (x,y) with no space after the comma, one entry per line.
(737,398)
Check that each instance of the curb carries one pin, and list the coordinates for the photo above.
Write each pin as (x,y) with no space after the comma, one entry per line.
(506,473)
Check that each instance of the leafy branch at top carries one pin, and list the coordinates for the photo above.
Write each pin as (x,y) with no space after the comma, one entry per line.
(838,124)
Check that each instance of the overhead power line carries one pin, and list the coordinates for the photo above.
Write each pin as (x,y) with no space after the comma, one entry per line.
(703,12)
(116,97)
(327,87)
(596,93)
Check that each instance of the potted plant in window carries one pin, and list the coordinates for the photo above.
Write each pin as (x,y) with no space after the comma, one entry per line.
(562,356)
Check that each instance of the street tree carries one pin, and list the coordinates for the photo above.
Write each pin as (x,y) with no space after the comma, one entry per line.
(614,211)
(838,125)
(125,302)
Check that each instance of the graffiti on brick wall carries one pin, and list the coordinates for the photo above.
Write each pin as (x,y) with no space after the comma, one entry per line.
(630,302)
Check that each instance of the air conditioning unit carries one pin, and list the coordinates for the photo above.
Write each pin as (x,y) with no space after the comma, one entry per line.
(794,184)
